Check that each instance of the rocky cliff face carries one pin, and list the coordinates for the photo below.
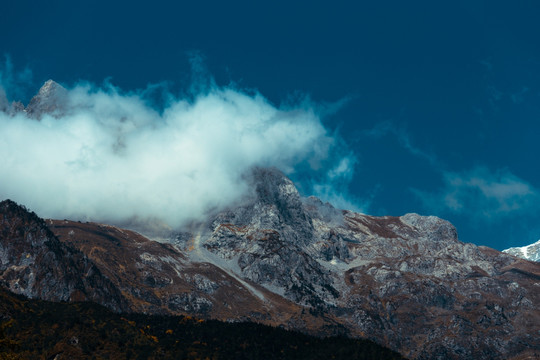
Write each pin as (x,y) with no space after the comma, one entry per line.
(406,282)
(33,262)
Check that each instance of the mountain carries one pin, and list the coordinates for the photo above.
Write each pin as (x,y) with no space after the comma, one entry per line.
(530,252)
(159,278)
(404,282)
(279,259)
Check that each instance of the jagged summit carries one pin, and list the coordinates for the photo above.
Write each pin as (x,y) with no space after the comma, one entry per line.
(50,99)
(278,202)
(48,87)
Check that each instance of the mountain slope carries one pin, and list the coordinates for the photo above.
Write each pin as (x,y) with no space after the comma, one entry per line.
(32,329)
(158,278)
(34,263)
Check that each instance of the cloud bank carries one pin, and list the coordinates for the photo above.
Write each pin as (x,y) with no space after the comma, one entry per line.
(108,156)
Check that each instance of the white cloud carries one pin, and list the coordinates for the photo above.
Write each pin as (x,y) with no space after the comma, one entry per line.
(111,157)
(482,194)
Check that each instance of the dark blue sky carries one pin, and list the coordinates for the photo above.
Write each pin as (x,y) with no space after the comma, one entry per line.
(443,111)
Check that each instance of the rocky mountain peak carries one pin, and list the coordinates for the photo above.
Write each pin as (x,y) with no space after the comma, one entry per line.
(49,87)
(274,203)
(272,186)
(276,190)
(50,99)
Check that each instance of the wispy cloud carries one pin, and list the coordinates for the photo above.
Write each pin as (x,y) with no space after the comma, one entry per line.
(482,194)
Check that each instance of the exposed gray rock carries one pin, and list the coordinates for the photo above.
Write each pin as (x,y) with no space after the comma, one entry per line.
(266,239)
(51,99)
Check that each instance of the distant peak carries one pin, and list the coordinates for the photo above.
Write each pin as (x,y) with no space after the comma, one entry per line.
(50,99)
(50,85)
(529,252)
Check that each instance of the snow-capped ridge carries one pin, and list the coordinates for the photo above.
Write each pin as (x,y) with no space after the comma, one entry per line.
(529,252)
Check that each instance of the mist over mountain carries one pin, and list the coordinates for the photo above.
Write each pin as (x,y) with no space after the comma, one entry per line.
(100,154)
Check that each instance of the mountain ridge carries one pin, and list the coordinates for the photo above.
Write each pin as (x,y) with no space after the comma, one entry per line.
(528,252)
(405,282)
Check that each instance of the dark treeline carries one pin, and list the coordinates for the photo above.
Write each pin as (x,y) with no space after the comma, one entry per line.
(34,329)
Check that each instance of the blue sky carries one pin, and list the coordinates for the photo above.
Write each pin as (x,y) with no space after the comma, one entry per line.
(439,103)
